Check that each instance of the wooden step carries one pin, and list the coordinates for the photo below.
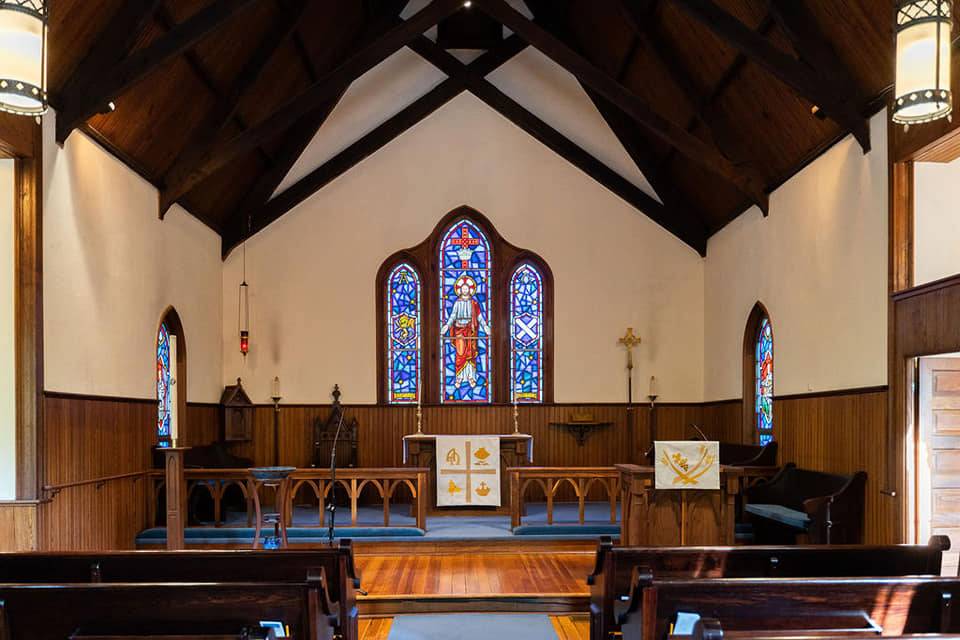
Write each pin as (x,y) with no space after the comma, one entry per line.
(546,603)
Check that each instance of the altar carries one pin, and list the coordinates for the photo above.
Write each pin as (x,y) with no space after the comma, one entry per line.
(420,450)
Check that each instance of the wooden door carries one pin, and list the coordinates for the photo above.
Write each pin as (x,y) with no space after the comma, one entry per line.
(938,453)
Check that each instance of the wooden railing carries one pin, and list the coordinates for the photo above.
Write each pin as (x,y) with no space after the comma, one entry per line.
(54,489)
(318,482)
(551,479)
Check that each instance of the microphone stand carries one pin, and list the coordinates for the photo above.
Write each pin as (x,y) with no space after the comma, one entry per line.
(332,507)
(703,436)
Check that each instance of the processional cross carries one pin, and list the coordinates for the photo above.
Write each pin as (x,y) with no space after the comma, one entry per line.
(629,340)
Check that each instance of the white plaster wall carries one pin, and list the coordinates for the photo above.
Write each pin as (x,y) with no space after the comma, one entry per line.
(111,268)
(819,265)
(312,273)
(936,224)
(8,407)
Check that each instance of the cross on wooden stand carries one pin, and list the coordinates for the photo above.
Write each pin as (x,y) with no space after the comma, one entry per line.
(468,471)
(466,244)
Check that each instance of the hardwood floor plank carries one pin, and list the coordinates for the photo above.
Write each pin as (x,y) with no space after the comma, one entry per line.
(571,627)
(476,574)
(375,628)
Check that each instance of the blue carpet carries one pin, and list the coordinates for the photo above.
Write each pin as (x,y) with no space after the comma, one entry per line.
(472,626)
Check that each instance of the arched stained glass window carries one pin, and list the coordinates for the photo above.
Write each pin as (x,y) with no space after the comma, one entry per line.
(763,376)
(526,334)
(164,379)
(403,334)
(465,318)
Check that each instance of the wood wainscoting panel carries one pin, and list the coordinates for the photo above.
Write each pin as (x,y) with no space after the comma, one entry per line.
(18,526)
(87,438)
(841,433)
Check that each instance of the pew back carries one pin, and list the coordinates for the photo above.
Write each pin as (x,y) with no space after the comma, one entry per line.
(611,579)
(867,606)
(280,566)
(58,611)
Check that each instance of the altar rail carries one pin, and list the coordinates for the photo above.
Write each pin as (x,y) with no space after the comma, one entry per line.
(551,479)
(316,481)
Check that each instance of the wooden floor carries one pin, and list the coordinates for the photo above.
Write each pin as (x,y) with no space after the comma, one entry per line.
(567,627)
(476,574)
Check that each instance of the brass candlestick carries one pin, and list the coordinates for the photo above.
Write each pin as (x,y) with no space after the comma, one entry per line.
(516,418)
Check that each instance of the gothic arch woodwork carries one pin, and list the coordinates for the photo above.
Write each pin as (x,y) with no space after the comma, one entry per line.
(506,258)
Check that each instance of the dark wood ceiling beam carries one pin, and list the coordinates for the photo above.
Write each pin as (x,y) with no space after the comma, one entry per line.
(109,48)
(252,222)
(659,126)
(84,102)
(814,48)
(787,69)
(684,227)
(330,85)
(228,102)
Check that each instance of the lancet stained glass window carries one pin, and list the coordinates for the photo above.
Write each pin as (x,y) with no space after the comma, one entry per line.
(764,381)
(403,334)
(526,334)
(465,319)
(164,378)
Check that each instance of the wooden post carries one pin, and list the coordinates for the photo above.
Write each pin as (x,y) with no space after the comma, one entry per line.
(176,485)
(423,491)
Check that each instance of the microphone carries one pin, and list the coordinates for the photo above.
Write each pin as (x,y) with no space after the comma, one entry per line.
(333,480)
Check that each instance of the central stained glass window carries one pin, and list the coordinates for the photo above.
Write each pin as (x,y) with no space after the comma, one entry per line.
(465,314)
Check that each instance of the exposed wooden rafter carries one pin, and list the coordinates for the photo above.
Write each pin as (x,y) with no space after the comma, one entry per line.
(229,102)
(365,146)
(659,126)
(109,48)
(316,95)
(93,93)
(675,204)
(472,78)
(815,49)
(838,103)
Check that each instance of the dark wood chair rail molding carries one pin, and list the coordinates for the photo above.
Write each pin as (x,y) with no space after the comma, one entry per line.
(927,287)
(54,489)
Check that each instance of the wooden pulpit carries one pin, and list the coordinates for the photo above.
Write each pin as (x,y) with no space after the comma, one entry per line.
(681,517)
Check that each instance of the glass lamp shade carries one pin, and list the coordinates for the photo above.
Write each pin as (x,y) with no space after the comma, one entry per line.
(924,30)
(23,56)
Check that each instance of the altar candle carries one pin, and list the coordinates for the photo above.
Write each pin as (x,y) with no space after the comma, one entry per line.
(419,388)
(276,387)
(653,386)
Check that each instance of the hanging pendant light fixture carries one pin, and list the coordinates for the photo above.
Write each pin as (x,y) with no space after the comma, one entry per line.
(243,306)
(924,42)
(23,57)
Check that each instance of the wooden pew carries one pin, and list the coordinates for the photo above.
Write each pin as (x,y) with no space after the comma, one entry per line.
(825,506)
(610,580)
(867,606)
(282,566)
(158,610)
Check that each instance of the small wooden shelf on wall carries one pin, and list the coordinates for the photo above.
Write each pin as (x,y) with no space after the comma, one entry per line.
(580,430)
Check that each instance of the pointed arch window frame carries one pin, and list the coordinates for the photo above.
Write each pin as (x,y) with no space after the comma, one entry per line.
(758,318)
(506,259)
(170,321)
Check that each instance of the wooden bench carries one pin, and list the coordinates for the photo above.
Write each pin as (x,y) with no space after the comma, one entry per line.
(867,606)
(610,581)
(825,506)
(336,565)
(164,610)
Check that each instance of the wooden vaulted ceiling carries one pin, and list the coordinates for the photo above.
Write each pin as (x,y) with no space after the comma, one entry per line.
(712,99)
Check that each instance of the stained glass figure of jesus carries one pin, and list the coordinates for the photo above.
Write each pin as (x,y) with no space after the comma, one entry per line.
(465,314)
(463,327)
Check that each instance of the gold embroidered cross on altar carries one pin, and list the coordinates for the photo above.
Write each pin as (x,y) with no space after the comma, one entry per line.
(476,464)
